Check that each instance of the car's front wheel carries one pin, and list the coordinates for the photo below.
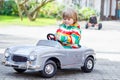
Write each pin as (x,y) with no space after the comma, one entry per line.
(86,26)
(99,26)
(88,65)
(19,70)
(49,70)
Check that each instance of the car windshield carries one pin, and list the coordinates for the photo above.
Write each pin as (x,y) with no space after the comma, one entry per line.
(50,43)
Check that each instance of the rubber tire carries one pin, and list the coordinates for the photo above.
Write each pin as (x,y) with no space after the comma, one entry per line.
(86,27)
(99,26)
(84,68)
(19,70)
(44,74)
(93,25)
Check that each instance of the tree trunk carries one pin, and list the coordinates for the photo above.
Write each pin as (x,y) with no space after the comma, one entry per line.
(33,14)
(102,10)
(1,4)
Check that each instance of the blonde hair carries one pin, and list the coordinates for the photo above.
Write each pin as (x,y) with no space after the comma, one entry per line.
(70,13)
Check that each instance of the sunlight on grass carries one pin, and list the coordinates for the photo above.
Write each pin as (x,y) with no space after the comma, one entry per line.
(11,20)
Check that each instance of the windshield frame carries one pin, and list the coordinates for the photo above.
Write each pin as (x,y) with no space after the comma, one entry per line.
(49,43)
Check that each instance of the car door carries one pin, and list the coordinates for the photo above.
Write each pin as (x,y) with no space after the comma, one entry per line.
(74,56)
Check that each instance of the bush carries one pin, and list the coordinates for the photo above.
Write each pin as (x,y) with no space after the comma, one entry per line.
(51,10)
(9,8)
(85,13)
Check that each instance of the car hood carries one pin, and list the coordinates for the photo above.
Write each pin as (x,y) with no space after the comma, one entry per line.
(26,50)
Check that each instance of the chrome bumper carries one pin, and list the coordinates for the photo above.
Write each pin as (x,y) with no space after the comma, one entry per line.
(22,66)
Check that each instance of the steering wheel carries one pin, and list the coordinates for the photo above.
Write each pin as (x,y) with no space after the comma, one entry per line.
(51,36)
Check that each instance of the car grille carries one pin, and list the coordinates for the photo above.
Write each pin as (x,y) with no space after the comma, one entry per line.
(17,58)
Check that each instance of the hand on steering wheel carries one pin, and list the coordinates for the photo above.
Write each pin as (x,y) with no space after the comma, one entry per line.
(51,36)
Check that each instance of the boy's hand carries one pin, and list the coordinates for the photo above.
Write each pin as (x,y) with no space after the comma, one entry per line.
(62,38)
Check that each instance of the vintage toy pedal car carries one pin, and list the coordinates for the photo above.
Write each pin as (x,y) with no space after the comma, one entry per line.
(48,56)
(93,23)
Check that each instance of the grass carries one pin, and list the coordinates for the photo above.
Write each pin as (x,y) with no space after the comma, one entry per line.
(12,20)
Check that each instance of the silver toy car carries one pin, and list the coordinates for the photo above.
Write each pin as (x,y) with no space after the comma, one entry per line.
(48,56)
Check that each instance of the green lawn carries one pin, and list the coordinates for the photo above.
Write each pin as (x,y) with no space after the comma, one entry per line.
(11,20)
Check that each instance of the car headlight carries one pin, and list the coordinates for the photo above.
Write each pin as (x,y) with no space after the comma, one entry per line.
(33,56)
(7,52)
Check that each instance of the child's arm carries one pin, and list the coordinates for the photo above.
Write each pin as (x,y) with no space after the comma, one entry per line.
(75,37)
(61,34)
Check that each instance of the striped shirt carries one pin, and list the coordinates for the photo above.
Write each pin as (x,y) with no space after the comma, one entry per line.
(69,36)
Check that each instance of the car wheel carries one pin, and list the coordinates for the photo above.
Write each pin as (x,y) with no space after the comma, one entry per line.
(99,26)
(19,70)
(88,65)
(86,27)
(49,70)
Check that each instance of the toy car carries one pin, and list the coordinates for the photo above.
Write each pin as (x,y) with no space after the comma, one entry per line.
(48,56)
(93,23)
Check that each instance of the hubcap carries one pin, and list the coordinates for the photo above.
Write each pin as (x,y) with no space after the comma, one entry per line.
(49,69)
(89,64)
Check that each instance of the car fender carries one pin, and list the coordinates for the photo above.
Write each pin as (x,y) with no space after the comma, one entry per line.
(42,59)
(87,53)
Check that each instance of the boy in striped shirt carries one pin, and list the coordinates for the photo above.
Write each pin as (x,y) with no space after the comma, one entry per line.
(69,32)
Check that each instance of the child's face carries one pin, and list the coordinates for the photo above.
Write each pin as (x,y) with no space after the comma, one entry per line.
(68,21)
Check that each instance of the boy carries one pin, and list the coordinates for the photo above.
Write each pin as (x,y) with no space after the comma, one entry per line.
(69,33)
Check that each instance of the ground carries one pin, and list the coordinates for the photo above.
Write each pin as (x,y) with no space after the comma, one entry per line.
(105,42)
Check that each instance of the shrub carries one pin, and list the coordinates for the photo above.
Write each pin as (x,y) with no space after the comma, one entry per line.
(9,8)
(85,13)
(51,10)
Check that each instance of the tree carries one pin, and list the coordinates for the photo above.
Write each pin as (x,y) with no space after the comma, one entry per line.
(1,3)
(102,10)
(30,7)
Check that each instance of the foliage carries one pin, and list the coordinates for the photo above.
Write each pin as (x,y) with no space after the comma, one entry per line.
(31,10)
(85,13)
(9,8)
(51,10)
